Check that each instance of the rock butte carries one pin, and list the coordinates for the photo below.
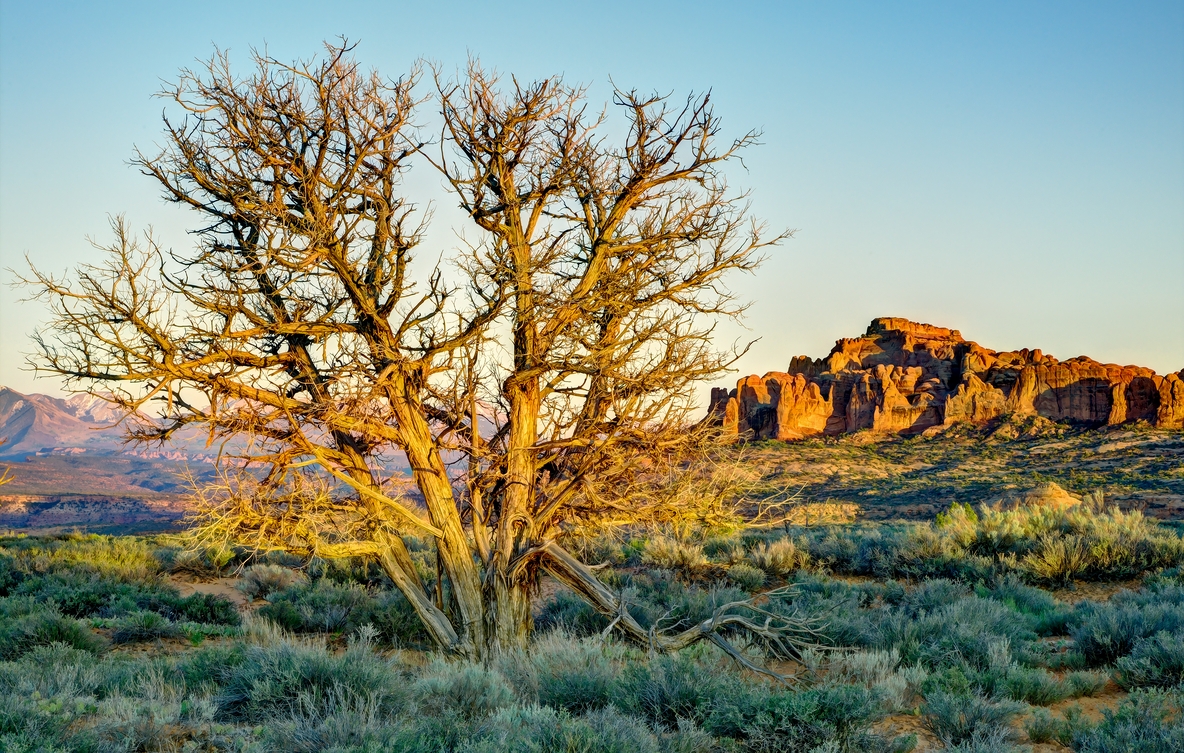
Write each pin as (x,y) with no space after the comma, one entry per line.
(908,378)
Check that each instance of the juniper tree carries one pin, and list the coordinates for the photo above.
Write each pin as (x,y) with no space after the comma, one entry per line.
(532,379)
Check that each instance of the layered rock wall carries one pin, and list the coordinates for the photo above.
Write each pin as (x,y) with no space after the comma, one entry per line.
(905,377)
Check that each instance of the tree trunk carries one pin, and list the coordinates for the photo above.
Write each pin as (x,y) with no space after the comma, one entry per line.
(509,614)
(453,546)
(396,562)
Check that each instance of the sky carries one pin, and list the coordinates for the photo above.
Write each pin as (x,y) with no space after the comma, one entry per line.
(1012,170)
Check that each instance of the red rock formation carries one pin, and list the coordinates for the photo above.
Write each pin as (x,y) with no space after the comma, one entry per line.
(1170,411)
(905,377)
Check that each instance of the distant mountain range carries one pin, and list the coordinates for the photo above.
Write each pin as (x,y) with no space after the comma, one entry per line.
(72,468)
(41,425)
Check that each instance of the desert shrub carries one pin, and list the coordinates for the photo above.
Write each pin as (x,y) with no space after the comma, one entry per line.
(1012,592)
(564,672)
(394,618)
(1082,684)
(52,670)
(878,671)
(650,596)
(208,562)
(81,594)
(964,632)
(959,719)
(1056,559)
(143,626)
(45,697)
(668,687)
(1043,727)
(1047,616)
(210,666)
(1148,721)
(32,725)
(1031,685)
(657,595)
(366,572)
(124,558)
(1042,541)
(597,548)
(672,554)
(779,558)
(323,606)
(1103,633)
(147,710)
(467,690)
(569,612)
(271,679)
(535,728)
(260,580)
(987,740)
(349,724)
(838,715)
(1157,661)
(728,550)
(747,577)
(25,625)
(834,549)
(932,595)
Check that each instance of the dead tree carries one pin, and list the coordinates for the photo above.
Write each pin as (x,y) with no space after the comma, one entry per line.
(558,363)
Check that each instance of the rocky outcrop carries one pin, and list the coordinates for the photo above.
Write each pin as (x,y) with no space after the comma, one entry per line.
(905,377)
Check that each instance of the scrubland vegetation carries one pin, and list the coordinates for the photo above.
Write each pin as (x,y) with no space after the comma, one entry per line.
(929,636)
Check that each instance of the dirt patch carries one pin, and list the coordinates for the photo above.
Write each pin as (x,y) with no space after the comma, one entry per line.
(908,724)
(1093,708)
(1083,591)
(224,587)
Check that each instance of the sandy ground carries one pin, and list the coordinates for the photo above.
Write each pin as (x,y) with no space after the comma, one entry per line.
(216,587)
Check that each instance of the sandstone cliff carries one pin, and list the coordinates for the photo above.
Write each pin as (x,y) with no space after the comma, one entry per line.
(905,377)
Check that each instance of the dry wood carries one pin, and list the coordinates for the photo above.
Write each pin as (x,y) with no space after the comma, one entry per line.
(306,338)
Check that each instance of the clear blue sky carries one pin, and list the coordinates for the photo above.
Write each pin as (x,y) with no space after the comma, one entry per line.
(1015,170)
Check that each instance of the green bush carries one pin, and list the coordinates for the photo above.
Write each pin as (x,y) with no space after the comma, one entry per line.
(394,618)
(1039,543)
(1034,686)
(461,688)
(778,558)
(987,740)
(320,607)
(271,679)
(668,687)
(959,719)
(672,554)
(535,728)
(82,594)
(570,613)
(24,626)
(143,626)
(839,715)
(1043,727)
(258,581)
(1148,721)
(747,577)
(209,609)
(1157,661)
(1104,633)
(212,665)
(123,558)
(564,672)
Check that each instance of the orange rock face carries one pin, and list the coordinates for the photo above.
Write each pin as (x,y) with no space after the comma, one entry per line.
(905,377)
